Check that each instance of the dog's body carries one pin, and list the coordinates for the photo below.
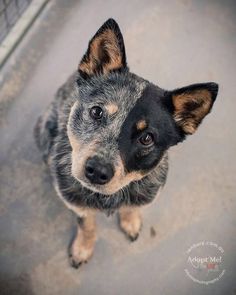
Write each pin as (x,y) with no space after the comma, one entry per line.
(106,134)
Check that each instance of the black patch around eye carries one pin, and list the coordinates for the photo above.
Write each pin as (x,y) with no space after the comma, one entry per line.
(146,139)
(143,152)
(151,109)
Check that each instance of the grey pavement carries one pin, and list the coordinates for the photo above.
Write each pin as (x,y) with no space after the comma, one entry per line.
(171,43)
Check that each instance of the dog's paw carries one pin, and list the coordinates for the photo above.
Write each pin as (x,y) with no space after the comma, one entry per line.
(79,254)
(74,263)
(133,238)
(131,227)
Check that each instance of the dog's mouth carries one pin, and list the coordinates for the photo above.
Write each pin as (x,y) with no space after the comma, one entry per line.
(101,189)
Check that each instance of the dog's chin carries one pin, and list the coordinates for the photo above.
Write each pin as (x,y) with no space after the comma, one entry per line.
(101,189)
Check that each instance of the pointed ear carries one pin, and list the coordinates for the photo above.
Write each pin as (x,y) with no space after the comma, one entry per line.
(105,53)
(189,105)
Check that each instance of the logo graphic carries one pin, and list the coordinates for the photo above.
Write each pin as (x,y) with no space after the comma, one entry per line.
(205,262)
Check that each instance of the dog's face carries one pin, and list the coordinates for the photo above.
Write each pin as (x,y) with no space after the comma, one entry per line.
(121,125)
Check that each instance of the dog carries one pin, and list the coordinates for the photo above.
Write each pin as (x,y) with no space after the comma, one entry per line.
(105,137)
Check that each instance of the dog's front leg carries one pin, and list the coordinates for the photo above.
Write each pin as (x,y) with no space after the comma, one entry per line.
(83,244)
(130,221)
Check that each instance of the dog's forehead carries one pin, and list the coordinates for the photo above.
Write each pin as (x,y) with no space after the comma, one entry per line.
(122,90)
(126,95)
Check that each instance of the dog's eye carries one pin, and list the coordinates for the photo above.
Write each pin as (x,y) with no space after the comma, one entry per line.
(96,112)
(147,139)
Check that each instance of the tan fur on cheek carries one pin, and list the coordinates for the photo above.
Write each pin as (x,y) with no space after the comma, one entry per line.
(80,154)
(79,157)
(74,142)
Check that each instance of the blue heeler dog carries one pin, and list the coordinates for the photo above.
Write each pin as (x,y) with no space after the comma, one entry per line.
(106,134)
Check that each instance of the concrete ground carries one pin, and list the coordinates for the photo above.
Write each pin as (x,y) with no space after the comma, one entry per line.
(172,43)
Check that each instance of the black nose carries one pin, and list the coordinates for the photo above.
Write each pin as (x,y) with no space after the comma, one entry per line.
(97,171)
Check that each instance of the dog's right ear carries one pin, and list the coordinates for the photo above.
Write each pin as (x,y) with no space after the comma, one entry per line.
(189,105)
(105,53)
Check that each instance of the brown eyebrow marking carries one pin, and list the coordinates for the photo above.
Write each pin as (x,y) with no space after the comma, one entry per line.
(141,125)
(111,108)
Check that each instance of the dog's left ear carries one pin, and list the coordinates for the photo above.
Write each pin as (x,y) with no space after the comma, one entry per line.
(105,53)
(189,105)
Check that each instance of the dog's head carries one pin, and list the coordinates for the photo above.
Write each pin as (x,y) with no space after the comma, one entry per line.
(121,125)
